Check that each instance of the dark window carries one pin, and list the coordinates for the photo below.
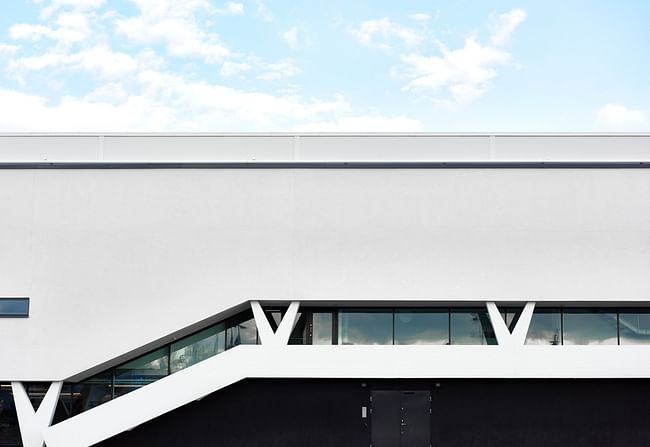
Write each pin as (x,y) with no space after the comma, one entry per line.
(421,327)
(14,307)
(545,327)
(198,347)
(9,430)
(471,327)
(300,334)
(92,392)
(589,327)
(141,371)
(361,327)
(634,326)
(511,316)
(241,330)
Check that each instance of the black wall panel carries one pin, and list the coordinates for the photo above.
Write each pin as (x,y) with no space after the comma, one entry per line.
(465,413)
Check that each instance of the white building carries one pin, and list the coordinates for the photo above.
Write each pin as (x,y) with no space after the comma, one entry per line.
(430,289)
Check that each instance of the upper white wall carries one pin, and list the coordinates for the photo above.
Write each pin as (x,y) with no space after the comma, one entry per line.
(327,147)
(115,259)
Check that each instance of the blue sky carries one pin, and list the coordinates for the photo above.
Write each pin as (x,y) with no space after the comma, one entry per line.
(264,65)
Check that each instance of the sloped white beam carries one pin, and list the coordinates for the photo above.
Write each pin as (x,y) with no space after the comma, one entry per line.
(503,335)
(362,362)
(281,336)
(33,423)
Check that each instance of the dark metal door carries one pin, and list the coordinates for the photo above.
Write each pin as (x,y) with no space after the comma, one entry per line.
(385,422)
(416,419)
(401,419)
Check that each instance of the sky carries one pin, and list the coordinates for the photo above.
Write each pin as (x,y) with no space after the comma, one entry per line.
(314,66)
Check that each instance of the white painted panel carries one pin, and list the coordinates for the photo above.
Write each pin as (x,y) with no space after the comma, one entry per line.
(16,205)
(209,148)
(472,234)
(49,148)
(367,148)
(571,148)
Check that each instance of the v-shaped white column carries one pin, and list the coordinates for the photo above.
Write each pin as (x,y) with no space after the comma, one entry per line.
(33,423)
(518,335)
(281,336)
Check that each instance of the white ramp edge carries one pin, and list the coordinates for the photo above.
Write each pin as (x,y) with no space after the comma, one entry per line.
(363,362)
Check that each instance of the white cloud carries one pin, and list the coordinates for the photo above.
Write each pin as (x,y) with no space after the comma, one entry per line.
(72,27)
(234,8)
(263,12)
(381,33)
(618,116)
(290,36)
(176,25)
(505,24)
(8,49)
(234,68)
(280,70)
(100,60)
(74,4)
(420,17)
(165,101)
(464,73)
(364,123)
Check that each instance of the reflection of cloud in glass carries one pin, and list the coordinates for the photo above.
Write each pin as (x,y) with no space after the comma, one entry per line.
(366,328)
(634,327)
(588,327)
(421,328)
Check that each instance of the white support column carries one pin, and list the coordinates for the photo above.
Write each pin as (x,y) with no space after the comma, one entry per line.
(281,336)
(503,335)
(33,423)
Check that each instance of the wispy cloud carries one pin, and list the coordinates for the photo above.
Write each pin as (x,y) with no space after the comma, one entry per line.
(619,116)
(384,34)
(503,25)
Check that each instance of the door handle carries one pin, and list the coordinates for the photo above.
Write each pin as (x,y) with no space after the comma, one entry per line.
(403,424)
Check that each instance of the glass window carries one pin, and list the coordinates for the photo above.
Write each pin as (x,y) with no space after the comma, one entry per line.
(634,326)
(299,332)
(141,371)
(510,316)
(545,327)
(471,327)
(241,330)
(421,327)
(14,307)
(589,327)
(322,328)
(92,392)
(9,430)
(198,347)
(365,328)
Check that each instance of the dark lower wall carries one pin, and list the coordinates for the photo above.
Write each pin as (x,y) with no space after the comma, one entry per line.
(476,413)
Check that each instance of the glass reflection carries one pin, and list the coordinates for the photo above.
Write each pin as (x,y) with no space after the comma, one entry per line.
(322,328)
(94,391)
(634,327)
(14,307)
(589,327)
(299,334)
(421,327)
(141,371)
(365,328)
(198,347)
(241,330)
(510,316)
(471,327)
(545,327)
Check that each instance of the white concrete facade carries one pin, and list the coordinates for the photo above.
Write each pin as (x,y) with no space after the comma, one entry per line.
(117,259)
